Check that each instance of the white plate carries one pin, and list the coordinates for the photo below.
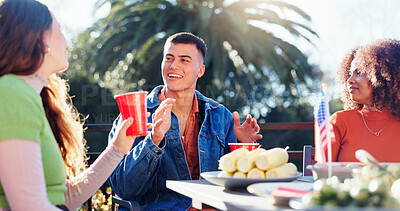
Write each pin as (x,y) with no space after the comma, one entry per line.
(266,189)
(241,183)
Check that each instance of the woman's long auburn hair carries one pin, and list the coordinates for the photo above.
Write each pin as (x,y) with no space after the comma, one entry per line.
(23,24)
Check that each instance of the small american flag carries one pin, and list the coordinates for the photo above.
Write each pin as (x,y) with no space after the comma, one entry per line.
(322,127)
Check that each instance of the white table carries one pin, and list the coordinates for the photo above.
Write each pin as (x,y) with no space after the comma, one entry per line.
(205,195)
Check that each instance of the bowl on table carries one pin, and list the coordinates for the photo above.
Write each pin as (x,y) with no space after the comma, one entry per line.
(249,146)
(342,170)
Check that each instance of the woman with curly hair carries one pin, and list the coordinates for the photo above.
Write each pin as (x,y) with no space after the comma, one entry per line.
(370,76)
(42,150)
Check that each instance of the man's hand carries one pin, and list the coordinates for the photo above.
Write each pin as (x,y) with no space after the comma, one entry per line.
(162,120)
(247,132)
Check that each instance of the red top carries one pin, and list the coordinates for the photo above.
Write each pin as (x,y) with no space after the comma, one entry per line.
(351,134)
(190,140)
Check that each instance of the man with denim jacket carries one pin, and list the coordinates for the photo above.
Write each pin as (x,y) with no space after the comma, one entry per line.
(190,132)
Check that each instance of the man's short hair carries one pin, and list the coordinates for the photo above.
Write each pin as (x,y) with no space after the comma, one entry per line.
(189,38)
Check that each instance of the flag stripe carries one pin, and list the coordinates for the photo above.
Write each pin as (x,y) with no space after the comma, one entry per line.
(323,128)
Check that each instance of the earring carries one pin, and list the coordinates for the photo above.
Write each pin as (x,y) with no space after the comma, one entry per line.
(48,49)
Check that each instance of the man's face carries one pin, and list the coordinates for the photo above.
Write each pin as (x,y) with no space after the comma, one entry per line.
(182,65)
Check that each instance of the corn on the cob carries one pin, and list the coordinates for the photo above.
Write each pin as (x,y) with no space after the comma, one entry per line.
(286,170)
(224,174)
(239,174)
(256,173)
(228,162)
(272,158)
(246,162)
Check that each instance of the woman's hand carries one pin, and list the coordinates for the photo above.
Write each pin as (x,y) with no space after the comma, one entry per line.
(122,142)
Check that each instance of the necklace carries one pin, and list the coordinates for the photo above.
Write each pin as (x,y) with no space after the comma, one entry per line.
(375,133)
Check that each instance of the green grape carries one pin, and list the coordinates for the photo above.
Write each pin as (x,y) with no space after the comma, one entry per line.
(390,202)
(395,189)
(347,184)
(360,195)
(328,192)
(334,182)
(343,197)
(394,169)
(378,186)
(374,201)
(319,184)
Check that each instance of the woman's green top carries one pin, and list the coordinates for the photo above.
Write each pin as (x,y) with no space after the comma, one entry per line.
(22,117)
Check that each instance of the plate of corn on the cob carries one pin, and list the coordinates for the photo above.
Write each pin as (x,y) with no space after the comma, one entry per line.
(242,167)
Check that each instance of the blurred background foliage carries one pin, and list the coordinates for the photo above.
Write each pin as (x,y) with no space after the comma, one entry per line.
(249,68)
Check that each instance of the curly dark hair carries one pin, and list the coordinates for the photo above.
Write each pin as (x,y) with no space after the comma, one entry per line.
(380,63)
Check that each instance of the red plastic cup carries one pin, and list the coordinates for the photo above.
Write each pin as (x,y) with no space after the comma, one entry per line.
(134,104)
(249,146)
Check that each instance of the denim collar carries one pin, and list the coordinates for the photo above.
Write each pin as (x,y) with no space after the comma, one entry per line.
(152,98)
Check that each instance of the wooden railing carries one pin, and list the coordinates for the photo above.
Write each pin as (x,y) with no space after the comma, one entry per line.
(265,126)
(97,127)
(287,126)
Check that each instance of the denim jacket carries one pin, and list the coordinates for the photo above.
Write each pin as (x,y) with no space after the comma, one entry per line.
(141,176)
